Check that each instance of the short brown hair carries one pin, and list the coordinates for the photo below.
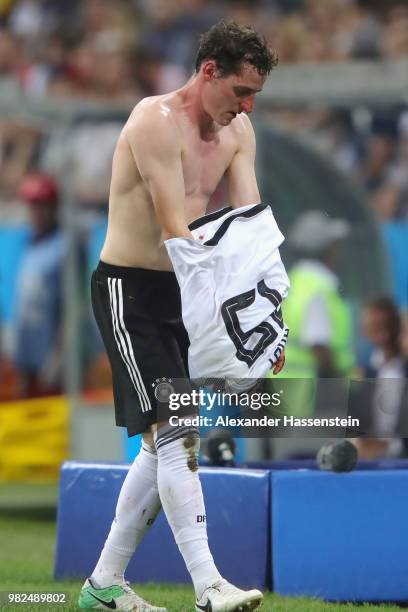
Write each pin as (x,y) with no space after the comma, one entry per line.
(231,45)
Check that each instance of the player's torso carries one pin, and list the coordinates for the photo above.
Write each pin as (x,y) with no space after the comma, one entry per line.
(134,237)
(204,164)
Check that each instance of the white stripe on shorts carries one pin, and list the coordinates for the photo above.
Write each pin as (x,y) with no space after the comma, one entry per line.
(124,343)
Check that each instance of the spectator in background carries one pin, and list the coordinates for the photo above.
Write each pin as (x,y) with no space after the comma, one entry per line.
(113,69)
(18,145)
(28,19)
(340,141)
(77,77)
(288,35)
(37,320)
(10,56)
(46,61)
(395,42)
(17,141)
(320,339)
(121,16)
(87,152)
(172,32)
(380,153)
(367,38)
(391,201)
(100,68)
(153,76)
(244,12)
(320,325)
(382,406)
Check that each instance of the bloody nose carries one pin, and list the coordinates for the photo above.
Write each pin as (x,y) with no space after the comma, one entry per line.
(247,105)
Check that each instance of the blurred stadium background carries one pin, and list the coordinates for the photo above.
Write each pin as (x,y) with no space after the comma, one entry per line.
(332,136)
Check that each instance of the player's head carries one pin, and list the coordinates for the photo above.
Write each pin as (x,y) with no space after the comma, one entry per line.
(234,62)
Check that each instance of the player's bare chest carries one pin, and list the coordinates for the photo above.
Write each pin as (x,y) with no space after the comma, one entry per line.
(205,162)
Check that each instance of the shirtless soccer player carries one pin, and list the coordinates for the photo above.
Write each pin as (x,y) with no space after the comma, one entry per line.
(170,157)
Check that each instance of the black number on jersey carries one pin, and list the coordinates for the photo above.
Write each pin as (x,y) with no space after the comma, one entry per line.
(267,332)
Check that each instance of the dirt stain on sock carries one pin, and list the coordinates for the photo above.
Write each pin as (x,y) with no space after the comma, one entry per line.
(190,443)
(192,463)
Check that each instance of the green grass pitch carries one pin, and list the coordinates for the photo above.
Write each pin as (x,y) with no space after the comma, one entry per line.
(27,541)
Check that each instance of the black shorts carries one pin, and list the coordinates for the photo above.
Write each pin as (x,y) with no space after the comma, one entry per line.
(138,313)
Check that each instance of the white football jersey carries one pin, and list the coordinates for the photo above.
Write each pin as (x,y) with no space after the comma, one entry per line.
(232,283)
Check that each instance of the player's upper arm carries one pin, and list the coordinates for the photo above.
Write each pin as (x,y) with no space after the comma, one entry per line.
(156,148)
(240,176)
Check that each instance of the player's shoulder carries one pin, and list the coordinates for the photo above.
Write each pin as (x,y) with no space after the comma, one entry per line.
(153,114)
(241,125)
(151,127)
(243,132)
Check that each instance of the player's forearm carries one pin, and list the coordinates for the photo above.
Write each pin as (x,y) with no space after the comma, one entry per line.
(177,233)
(170,212)
(243,196)
(174,228)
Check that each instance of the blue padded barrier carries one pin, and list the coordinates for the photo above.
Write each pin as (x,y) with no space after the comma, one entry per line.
(340,536)
(13,240)
(310,464)
(238,516)
(95,243)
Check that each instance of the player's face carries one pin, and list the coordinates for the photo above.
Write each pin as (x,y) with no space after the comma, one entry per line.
(234,94)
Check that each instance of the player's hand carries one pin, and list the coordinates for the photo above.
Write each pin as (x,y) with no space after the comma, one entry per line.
(279,364)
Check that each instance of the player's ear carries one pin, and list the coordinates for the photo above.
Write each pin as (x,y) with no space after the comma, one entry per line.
(210,70)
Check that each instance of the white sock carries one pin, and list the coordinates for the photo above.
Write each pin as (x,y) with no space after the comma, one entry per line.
(182,499)
(137,507)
